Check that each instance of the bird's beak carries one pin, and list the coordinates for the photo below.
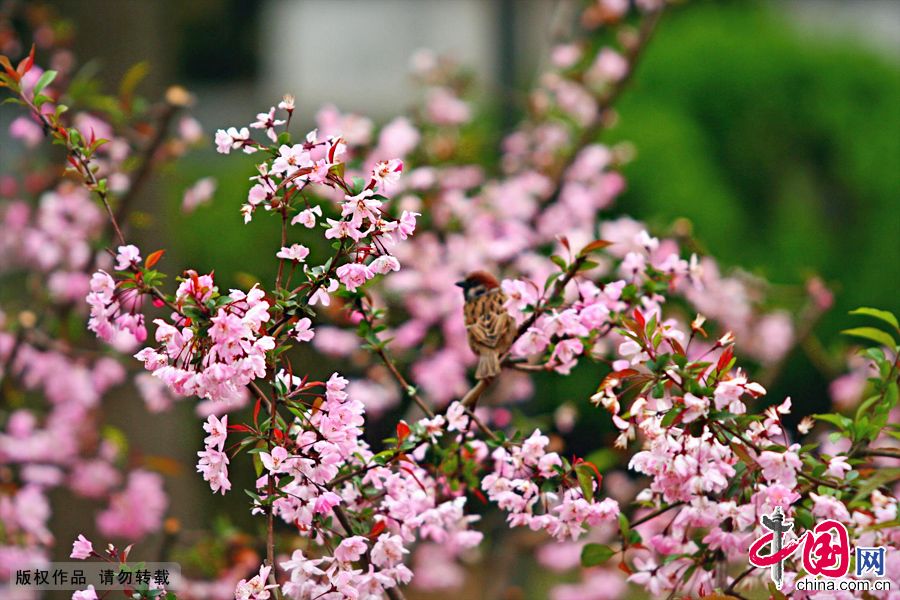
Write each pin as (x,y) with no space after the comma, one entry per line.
(461,284)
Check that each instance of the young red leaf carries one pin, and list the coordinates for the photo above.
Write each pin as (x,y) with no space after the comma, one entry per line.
(639,318)
(402,432)
(594,246)
(7,66)
(725,358)
(153,258)
(377,528)
(26,63)
(593,467)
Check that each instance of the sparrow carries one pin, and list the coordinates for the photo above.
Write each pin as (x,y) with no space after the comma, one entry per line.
(491,329)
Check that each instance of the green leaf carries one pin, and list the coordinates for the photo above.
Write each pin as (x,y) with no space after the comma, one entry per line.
(45,80)
(866,405)
(133,76)
(671,415)
(870,333)
(595,554)
(837,420)
(876,313)
(586,480)
(875,481)
(624,526)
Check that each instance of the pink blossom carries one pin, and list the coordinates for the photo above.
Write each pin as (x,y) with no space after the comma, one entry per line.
(89,594)
(457,419)
(233,139)
(780,467)
(255,588)
(136,510)
(388,550)
(397,138)
(829,507)
(217,430)
(190,130)
(290,159)
(307,217)
(384,264)
(387,172)
(268,122)
(407,224)
(694,408)
(838,467)
(353,275)
(303,332)
(520,294)
(126,257)
(213,465)
(25,129)
(445,108)
(199,193)
(81,548)
(351,548)
(342,229)
(296,252)
(274,461)
(287,103)
(326,502)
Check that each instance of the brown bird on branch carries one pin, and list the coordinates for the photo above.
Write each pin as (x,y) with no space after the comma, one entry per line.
(491,329)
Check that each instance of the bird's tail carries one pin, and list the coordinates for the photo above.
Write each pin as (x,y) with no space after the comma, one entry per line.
(488,365)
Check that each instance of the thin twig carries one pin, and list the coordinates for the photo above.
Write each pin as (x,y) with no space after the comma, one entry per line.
(655,513)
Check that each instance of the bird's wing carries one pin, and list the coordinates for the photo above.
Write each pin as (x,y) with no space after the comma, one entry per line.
(491,327)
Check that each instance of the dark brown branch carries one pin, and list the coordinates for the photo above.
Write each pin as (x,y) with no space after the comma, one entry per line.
(146,168)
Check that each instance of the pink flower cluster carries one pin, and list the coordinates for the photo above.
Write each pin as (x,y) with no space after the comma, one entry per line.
(115,310)
(326,441)
(516,485)
(213,463)
(220,364)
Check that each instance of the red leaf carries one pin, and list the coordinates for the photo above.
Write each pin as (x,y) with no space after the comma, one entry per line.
(402,432)
(725,358)
(256,411)
(624,568)
(333,149)
(640,319)
(377,528)
(154,258)
(595,245)
(279,435)
(416,479)
(479,495)
(594,467)
(26,63)
(239,427)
